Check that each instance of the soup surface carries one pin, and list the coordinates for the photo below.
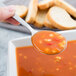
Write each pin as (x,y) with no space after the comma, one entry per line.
(30,62)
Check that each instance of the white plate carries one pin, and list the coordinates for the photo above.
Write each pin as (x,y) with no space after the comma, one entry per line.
(26,41)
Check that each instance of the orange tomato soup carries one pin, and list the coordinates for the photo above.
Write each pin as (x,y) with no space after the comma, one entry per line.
(48,42)
(30,62)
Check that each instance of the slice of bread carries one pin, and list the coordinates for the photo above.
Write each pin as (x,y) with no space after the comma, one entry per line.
(32,11)
(61,19)
(48,23)
(21,10)
(39,21)
(45,4)
(69,8)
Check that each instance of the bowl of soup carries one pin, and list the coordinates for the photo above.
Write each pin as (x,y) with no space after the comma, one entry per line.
(25,60)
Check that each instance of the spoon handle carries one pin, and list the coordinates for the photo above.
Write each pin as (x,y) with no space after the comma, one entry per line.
(21,21)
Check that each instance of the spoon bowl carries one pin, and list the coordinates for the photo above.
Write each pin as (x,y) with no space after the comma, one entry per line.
(49,42)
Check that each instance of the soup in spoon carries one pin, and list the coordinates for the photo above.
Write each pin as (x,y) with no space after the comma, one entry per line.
(49,42)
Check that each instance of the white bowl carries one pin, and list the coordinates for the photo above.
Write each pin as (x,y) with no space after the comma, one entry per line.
(26,41)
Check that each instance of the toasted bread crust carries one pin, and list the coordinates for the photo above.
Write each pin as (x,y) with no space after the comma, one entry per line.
(40,17)
(32,11)
(57,25)
(48,24)
(44,6)
(69,8)
(21,10)
(38,25)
